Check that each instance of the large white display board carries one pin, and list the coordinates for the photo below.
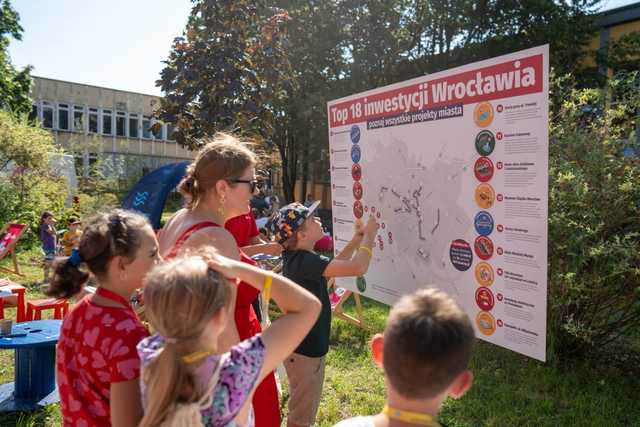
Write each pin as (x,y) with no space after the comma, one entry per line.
(454,166)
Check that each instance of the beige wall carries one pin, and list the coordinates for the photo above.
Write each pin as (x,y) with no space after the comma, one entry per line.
(150,151)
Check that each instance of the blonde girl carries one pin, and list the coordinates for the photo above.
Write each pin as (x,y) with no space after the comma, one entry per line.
(184,381)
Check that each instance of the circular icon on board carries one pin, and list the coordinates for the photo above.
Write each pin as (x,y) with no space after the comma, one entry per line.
(483,114)
(500,228)
(483,247)
(500,272)
(483,169)
(357,190)
(486,323)
(499,108)
(484,274)
(483,222)
(357,209)
(485,142)
(485,196)
(355,134)
(361,283)
(499,322)
(499,197)
(355,153)
(460,255)
(356,172)
(484,299)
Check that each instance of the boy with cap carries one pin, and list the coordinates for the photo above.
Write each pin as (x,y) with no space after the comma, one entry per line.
(297,230)
(71,237)
(424,353)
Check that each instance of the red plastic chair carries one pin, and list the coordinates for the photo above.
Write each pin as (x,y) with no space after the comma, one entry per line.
(37,306)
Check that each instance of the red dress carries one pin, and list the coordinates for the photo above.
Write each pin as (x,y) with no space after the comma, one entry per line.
(266,406)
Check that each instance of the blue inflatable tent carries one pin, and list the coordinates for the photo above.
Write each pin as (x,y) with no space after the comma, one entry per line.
(149,195)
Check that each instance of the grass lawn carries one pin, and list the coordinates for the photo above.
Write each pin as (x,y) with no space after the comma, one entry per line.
(509,389)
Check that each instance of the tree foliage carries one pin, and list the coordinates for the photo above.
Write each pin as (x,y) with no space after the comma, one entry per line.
(594,220)
(225,70)
(14,84)
(231,69)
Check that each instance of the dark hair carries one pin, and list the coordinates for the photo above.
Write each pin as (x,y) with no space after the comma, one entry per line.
(427,343)
(106,235)
(45,215)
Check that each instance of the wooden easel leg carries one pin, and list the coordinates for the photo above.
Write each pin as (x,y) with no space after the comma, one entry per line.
(338,311)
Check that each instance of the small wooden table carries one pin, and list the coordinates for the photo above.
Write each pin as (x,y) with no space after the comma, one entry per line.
(35,362)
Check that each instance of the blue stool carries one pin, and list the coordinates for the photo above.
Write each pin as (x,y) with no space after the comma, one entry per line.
(35,366)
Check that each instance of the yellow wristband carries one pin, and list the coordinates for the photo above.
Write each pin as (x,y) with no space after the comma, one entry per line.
(266,287)
(367,250)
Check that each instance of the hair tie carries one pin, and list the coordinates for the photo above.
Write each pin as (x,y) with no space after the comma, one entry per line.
(75,259)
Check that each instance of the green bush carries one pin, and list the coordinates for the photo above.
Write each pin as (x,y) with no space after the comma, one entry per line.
(594,220)
(27,187)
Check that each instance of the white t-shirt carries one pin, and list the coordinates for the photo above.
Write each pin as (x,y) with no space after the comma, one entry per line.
(356,422)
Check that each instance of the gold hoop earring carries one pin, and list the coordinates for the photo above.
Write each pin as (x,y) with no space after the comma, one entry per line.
(223,200)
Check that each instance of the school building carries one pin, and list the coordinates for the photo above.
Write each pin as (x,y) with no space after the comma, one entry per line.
(113,128)
(612,25)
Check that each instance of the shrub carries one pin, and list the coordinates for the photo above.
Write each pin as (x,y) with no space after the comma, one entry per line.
(594,221)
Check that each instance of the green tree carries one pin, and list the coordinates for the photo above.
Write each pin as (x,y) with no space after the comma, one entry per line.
(225,70)
(14,84)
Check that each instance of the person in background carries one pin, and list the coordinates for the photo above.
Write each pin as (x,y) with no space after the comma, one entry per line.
(48,236)
(71,237)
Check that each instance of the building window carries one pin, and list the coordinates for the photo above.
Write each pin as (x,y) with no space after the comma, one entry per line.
(146,127)
(170,132)
(63,117)
(133,125)
(78,118)
(157,133)
(93,120)
(107,122)
(121,123)
(47,115)
(33,115)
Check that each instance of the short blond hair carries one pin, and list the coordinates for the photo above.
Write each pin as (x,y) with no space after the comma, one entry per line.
(427,343)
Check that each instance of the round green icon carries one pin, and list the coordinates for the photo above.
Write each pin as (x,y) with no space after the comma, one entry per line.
(361,283)
(485,142)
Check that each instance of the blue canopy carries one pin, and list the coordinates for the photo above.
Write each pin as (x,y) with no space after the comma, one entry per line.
(149,195)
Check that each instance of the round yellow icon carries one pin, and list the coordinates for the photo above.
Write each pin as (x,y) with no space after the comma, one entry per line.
(484,274)
(485,196)
(486,323)
(483,114)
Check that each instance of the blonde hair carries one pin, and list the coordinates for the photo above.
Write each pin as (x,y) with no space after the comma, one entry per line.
(223,157)
(427,343)
(181,297)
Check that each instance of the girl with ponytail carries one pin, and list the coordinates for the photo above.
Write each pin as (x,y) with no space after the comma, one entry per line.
(186,380)
(97,363)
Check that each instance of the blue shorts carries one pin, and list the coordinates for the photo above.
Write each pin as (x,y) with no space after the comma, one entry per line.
(49,254)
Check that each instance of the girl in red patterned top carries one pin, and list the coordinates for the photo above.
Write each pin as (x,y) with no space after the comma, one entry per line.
(97,362)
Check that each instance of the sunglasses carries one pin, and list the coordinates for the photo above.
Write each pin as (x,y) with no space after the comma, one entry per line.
(253,184)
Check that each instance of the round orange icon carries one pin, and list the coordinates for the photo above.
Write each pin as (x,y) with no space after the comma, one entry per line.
(485,196)
(484,274)
(486,323)
(483,114)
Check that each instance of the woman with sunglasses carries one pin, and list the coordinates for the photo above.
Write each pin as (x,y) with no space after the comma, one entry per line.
(218,186)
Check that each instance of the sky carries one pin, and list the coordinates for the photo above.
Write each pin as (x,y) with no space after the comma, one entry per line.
(118,44)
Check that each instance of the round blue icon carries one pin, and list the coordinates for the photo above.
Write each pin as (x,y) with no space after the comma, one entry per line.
(355,134)
(483,223)
(355,153)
